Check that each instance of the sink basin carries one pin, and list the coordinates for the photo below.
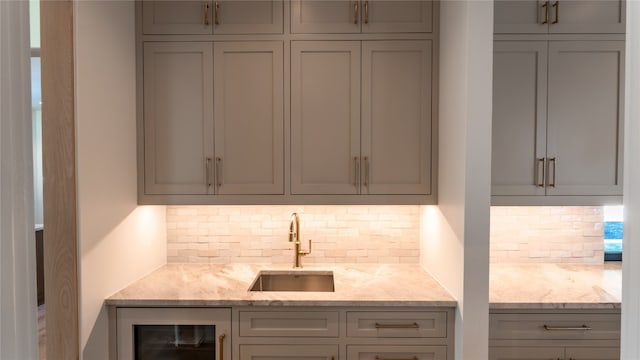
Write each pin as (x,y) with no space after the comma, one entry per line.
(293,281)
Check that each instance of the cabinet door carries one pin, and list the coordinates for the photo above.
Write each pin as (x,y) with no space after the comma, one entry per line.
(379,352)
(586,353)
(396,117)
(249,122)
(519,117)
(397,16)
(325,117)
(248,17)
(177,16)
(585,117)
(297,352)
(325,16)
(578,16)
(520,16)
(178,117)
(526,353)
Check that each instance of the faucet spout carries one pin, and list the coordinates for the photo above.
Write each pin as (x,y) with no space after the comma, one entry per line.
(294,236)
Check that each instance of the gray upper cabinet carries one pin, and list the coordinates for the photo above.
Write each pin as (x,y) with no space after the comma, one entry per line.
(384,150)
(560,16)
(325,117)
(199,143)
(178,117)
(249,120)
(396,117)
(561,136)
(341,16)
(206,17)
(177,17)
(585,117)
(519,117)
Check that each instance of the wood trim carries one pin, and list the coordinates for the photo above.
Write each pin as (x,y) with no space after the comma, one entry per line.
(59,168)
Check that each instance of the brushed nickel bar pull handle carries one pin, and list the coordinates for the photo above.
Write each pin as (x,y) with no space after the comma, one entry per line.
(567,328)
(366,12)
(355,12)
(539,180)
(546,12)
(218,171)
(398,326)
(366,171)
(411,358)
(557,6)
(356,178)
(553,161)
(221,343)
(216,13)
(206,12)
(207,167)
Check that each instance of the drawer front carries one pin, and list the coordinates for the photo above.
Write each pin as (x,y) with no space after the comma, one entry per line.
(297,352)
(289,323)
(396,352)
(554,326)
(397,324)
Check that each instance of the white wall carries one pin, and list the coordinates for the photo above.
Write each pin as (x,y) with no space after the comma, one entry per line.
(631,264)
(18,327)
(118,241)
(455,234)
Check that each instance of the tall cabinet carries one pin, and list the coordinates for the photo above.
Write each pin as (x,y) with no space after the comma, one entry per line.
(557,111)
(278,102)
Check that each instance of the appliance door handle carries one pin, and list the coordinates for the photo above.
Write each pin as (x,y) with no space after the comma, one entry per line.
(221,346)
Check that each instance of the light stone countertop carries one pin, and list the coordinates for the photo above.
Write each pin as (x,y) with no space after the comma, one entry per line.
(227,285)
(555,286)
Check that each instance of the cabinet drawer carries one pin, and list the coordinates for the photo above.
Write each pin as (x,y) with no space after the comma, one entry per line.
(391,324)
(289,323)
(377,352)
(554,326)
(279,352)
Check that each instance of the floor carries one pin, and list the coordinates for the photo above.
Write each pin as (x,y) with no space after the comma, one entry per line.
(42,336)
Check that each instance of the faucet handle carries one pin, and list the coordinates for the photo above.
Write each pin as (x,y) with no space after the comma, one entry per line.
(305,253)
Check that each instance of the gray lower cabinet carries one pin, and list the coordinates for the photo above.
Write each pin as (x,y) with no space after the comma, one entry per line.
(557,119)
(361,117)
(204,103)
(559,16)
(279,352)
(344,333)
(556,335)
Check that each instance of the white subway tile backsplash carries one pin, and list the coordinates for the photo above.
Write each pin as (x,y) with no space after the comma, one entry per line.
(259,234)
(568,234)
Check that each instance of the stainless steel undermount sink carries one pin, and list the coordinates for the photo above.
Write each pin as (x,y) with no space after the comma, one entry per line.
(293,281)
